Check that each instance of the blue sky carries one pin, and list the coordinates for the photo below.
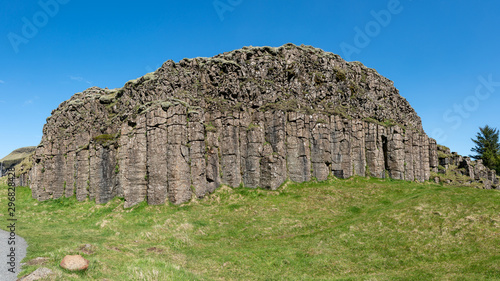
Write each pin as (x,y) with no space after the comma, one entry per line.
(443,56)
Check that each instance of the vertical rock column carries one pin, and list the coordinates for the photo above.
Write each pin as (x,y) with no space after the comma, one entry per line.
(433,156)
(424,156)
(321,157)
(196,136)
(409,155)
(53,162)
(335,140)
(374,150)
(102,173)
(273,164)
(132,159)
(341,147)
(493,177)
(178,172)
(358,154)
(56,186)
(297,149)
(480,171)
(82,165)
(395,153)
(70,174)
(345,148)
(212,125)
(251,146)
(95,180)
(38,173)
(417,157)
(157,156)
(69,167)
(230,150)
(82,179)
(59,160)
(467,165)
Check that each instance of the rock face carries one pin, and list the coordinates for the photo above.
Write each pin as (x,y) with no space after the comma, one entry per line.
(253,117)
(459,170)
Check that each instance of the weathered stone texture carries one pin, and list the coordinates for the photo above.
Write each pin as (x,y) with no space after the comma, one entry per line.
(82,179)
(178,171)
(157,156)
(298,162)
(230,151)
(132,160)
(254,117)
(409,169)
(69,176)
(458,166)
(374,150)
(320,147)
(197,151)
(433,156)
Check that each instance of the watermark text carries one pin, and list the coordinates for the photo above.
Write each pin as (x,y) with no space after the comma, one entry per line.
(223,6)
(31,26)
(454,116)
(11,222)
(363,36)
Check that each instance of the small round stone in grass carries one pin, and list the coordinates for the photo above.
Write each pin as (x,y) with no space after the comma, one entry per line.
(74,263)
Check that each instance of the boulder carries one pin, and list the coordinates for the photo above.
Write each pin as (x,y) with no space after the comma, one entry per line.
(74,263)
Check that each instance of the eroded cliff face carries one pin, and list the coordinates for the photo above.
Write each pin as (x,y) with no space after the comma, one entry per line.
(254,117)
(458,170)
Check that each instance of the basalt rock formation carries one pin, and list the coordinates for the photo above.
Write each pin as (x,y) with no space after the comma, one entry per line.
(254,117)
(458,170)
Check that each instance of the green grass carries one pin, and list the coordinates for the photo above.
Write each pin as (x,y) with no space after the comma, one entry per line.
(18,154)
(355,229)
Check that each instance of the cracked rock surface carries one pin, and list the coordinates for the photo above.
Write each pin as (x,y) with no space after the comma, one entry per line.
(253,117)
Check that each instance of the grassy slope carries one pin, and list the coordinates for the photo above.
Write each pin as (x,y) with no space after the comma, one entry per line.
(17,156)
(354,229)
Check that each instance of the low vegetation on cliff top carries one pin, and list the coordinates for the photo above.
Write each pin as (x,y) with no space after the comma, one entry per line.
(355,229)
(17,156)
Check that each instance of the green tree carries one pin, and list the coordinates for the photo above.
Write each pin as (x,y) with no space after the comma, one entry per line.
(487,147)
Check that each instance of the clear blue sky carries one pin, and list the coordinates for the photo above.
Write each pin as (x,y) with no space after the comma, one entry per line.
(434,51)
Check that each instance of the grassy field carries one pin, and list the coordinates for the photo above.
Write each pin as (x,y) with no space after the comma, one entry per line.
(355,229)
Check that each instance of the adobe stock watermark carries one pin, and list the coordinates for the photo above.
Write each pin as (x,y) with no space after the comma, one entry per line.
(31,26)
(372,29)
(149,69)
(11,222)
(223,6)
(455,116)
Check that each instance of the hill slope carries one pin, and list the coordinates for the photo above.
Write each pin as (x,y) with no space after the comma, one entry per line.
(16,157)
